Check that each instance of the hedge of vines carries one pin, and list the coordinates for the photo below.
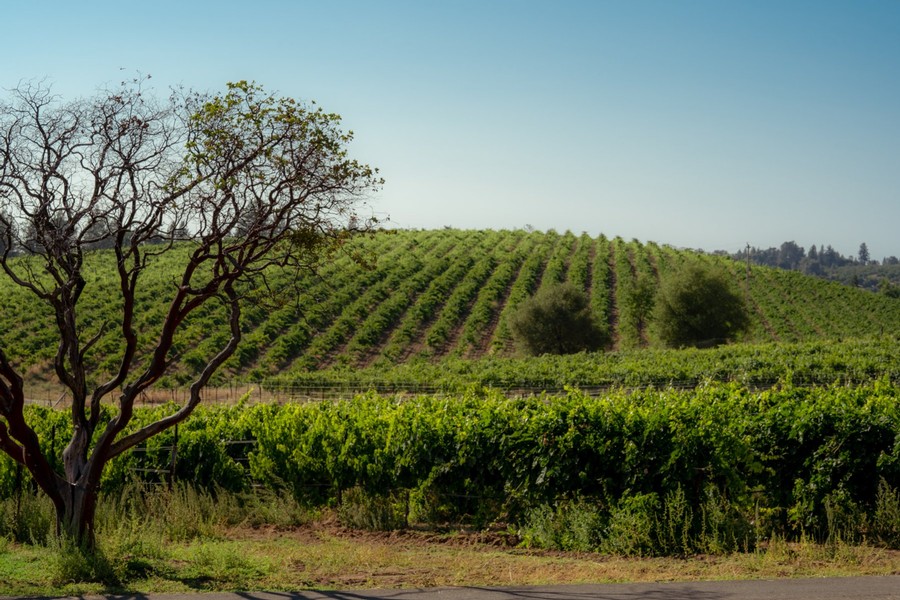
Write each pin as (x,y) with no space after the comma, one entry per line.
(786,459)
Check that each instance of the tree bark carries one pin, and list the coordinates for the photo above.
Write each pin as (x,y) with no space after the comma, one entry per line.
(75,516)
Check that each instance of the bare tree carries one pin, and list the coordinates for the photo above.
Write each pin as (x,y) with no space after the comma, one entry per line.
(122,170)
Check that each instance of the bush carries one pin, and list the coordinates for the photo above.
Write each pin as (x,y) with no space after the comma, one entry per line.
(574,526)
(631,527)
(699,306)
(886,525)
(557,320)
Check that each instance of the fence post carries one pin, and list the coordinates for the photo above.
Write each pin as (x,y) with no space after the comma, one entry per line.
(53,445)
(18,492)
(173,459)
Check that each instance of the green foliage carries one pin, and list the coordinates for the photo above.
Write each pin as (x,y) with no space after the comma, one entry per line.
(712,469)
(712,457)
(638,524)
(823,362)
(573,526)
(557,320)
(433,295)
(631,525)
(699,306)
(886,521)
(725,527)
(204,456)
(888,289)
(361,510)
(76,563)
(27,518)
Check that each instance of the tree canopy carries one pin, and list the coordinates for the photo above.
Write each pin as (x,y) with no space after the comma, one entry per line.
(557,320)
(242,179)
(699,306)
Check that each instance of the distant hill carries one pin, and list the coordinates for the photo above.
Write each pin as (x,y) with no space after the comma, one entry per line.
(827,263)
(434,294)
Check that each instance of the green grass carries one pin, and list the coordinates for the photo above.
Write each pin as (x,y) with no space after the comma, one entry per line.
(291,548)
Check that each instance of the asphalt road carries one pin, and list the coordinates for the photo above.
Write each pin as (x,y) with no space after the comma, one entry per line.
(856,588)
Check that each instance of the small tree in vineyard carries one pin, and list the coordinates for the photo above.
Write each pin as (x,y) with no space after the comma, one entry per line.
(230,184)
(699,306)
(557,320)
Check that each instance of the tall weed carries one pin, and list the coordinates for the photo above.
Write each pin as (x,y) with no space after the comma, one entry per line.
(570,525)
(631,527)
(75,563)
(362,510)
(886,519)
(27,518)
(674,525)
(724,528)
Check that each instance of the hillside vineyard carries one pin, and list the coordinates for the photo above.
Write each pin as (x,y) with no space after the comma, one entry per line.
(401,296)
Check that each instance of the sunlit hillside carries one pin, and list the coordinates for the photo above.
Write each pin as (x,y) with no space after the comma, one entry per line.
(436,294)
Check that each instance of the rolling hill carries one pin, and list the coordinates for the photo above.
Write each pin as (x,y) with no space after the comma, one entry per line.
(430,295)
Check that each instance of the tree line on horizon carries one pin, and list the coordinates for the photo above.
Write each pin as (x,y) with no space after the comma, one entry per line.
(827,263)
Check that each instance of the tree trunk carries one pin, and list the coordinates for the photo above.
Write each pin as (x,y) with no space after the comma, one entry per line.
(75,515)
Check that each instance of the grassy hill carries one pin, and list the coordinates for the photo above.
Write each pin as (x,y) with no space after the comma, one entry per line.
(430,295)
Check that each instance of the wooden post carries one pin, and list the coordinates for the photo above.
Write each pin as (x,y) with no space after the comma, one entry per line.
(18,492)
(173,458)
(748,273)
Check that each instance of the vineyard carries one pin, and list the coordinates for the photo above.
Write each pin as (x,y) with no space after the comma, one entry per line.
(714,469)
(791,432)
(424,297)
(754,365)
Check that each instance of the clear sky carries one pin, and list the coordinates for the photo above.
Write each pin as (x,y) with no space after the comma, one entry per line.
(694,123)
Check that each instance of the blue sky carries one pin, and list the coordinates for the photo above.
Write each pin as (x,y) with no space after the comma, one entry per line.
(694,123)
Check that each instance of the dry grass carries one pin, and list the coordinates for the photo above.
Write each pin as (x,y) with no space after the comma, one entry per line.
(50,393)
(334,558)
(323,555)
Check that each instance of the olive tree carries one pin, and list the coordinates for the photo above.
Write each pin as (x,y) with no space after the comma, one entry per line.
(699,306)
(230,183)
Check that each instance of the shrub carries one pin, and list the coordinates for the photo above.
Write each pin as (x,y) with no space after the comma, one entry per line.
(699,306)
(569,525)
(886,522)
(632,524)
(557,320)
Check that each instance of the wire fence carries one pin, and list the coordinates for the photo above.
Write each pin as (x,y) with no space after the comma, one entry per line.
(267,391)
(280,393)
